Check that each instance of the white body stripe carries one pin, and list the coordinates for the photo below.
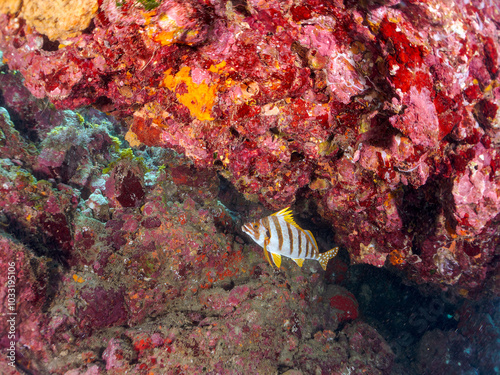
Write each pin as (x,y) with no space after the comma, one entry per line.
(273,246)
(286,241)
(308,251)
(313,250)
(294,251)
(301,243)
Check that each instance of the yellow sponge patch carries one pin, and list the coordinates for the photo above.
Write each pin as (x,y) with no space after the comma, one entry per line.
(198,98)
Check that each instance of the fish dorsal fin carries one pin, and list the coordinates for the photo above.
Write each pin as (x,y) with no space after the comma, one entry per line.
(299,261)
(276,259)
(287,215)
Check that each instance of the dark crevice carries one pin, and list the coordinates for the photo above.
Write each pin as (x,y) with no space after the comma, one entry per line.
(102,101)
(307,217)
(421,209)
(90,28)
(38,243)
(47,264)
(85,192)
(234,202)
(274,131)
(381,133)
(241,6)
(234,132)
(301,52)
(53,281)
(23,369)
(71,162)
(400,313)
(25,128)
(227,286)
(295,157)
(48,45)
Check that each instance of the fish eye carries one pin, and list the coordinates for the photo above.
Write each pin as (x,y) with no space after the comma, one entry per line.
(256,225)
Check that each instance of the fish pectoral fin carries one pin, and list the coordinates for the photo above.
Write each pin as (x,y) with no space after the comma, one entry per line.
(266,253)
(277,259)
(299,261)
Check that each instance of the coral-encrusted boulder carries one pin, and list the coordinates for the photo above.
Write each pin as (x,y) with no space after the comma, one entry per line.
(372,110)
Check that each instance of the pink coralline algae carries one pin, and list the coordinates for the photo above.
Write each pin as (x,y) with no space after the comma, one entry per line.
(386,114)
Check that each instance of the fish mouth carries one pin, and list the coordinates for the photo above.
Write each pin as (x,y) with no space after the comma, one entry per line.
(246,228)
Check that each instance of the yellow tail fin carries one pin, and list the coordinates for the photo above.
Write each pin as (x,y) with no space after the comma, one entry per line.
(323,258)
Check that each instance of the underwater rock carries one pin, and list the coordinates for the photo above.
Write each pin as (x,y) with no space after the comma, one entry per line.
(354,106)
(37,212)
(475,193)
(446,352)
(346,303)
(13,146)
(117,274)
(471,348)
(118,355)
(68,151)
(60,19)
(479,326)
(35,280)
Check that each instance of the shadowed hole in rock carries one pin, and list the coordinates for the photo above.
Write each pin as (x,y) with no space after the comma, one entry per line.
(48,45)
(421,209)
(241,6)
(39,243)
(234,132)
(25,128)
(90,28)
(103,103)
(274,131)
(85,193)
(296,157)
(71,162)
(227,286)
(402,313)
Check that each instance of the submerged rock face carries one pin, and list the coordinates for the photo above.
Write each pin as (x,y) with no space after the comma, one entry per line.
(386,114)
(128,263)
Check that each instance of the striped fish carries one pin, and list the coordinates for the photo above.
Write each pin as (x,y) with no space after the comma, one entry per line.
(279,235)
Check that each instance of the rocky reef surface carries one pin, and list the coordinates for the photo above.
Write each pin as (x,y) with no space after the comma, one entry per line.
(378,120)
(382,113)
(127,262)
